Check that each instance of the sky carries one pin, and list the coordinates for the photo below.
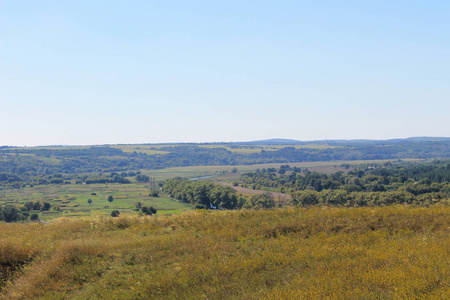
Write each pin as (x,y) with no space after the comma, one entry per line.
(121,72)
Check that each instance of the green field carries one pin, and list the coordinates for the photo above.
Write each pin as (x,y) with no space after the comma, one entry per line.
(219,173)
(72,199)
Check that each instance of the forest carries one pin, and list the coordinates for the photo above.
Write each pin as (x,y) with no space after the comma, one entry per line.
(21,164)
(209,195)
(364,185)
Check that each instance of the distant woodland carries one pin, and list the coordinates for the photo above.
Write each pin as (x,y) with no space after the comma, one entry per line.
(23,163)
(368,184)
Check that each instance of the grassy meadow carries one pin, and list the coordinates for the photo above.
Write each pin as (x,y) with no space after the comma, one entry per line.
(396,252)
(72,199)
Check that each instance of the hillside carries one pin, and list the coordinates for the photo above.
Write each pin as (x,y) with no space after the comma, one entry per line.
(25,163)
(397,252)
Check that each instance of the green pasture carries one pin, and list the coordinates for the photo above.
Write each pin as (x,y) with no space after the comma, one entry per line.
(72,199)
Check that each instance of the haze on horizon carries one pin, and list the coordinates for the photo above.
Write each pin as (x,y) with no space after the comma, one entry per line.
(84,72)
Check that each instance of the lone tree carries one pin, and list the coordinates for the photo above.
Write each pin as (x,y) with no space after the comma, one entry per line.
(46,206)
(89,201)
(110,199)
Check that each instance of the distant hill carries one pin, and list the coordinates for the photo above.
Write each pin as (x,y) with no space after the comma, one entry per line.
(344,142)
(428,139)
(274,142)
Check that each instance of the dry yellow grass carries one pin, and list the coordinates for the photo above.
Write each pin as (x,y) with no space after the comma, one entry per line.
(395,252)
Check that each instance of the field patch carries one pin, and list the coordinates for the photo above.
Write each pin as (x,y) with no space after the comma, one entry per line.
(147,149)
(72,200)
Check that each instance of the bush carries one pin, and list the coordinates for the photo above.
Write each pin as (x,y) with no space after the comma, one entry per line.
(115,213)
(34,217)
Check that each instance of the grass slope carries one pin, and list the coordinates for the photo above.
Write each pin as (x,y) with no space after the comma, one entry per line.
(395,252)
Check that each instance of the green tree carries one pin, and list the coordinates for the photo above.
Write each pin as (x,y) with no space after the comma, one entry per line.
(305,198)
(89,201)
(28,205)
(37,205)
(10,213)
(45,206)
(147,210)
(261,201)
(142,178)
(110,199)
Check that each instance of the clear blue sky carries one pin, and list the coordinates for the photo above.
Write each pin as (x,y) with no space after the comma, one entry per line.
(98,72)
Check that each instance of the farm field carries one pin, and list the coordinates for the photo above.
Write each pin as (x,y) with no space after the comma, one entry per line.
(223,173)
(258,148)
(72,199)
(396,252)
(153,149)
(147,149)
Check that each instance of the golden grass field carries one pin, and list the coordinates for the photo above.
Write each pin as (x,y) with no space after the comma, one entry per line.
(397,252)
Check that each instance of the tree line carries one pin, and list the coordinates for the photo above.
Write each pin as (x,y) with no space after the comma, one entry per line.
(29,162)
(28,211)
(209,195)
(370,184)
